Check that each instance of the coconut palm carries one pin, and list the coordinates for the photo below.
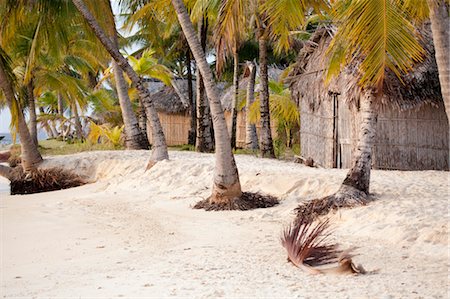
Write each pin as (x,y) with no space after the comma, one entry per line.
(159,148)
(376,36)
(229,35)
(226,185)
(31,157)
(251,139)
(134,137)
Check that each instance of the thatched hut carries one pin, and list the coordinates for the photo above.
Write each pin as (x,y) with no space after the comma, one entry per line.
(412,130)
(173,111)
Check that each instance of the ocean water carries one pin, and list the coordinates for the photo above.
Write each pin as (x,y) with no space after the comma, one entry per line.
(8,138)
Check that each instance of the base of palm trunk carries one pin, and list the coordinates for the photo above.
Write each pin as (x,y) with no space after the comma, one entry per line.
(345,197)
(247,201)
(42,180)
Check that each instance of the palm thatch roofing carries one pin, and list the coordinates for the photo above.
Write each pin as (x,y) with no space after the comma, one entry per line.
(420,86)
(166,98)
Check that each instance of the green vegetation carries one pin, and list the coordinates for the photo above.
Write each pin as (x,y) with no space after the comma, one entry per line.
(57,147)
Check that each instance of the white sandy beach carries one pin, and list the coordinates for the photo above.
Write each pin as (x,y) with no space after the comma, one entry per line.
(133,234)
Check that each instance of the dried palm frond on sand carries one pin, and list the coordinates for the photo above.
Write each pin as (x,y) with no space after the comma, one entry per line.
(42,180)
(308,248)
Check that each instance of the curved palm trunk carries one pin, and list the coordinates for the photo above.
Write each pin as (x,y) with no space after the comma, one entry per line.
(78,126)
(142,119)
(6,172)
(440,24)
(251,139)
(266,144)
(226,185)
(46,126)
(61,113)
(31,157)
(134,138)
(32,108)
(193,130)
(204,142)
(235,99)
(159,150)
(356,184)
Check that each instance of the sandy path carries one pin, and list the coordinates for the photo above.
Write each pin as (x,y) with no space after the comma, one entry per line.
(132,234)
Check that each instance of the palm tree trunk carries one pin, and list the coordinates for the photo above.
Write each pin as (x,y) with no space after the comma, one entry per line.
(226,185)
(204,142)
(134,139)
(159,151)
(78,126)
(61,113)
(31,157)
(6,172)
(356,184)
(32,108)
(45,125)
(235,99)
(251,139)
(440,24)
(193,130)
(266,144)
(142,119)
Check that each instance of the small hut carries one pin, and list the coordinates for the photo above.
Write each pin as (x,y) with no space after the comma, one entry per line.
(173,111)
(412,129)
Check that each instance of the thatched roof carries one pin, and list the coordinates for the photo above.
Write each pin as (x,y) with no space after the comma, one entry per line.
(228,93)
(306,80)
(166,99)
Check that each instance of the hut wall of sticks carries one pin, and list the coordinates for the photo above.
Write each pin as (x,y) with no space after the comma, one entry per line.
(173,109)
(412,129)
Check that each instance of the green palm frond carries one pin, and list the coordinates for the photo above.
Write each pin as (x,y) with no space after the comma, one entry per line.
(376,34)
(230,29)
(282,109)
(418,10)
(285,17)
(147,65)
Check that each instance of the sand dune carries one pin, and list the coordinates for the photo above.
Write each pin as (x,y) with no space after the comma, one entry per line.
(133,234)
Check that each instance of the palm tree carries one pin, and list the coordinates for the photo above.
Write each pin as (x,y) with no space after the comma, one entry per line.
(31,157)
(376,35)
(204,141)
(226,185)
(266,143)
(134,137)
(159,147)
(251,139)
(229,35)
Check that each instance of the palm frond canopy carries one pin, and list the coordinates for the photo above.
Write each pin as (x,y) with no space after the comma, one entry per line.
(411,90)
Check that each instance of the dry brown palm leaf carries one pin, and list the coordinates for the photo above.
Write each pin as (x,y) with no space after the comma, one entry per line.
(308,248)
(42,180)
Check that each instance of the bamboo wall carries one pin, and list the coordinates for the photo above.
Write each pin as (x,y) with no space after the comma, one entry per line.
(411,140)
(176,128)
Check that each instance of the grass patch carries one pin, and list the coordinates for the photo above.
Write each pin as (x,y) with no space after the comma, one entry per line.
(53,147)
(183,147)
